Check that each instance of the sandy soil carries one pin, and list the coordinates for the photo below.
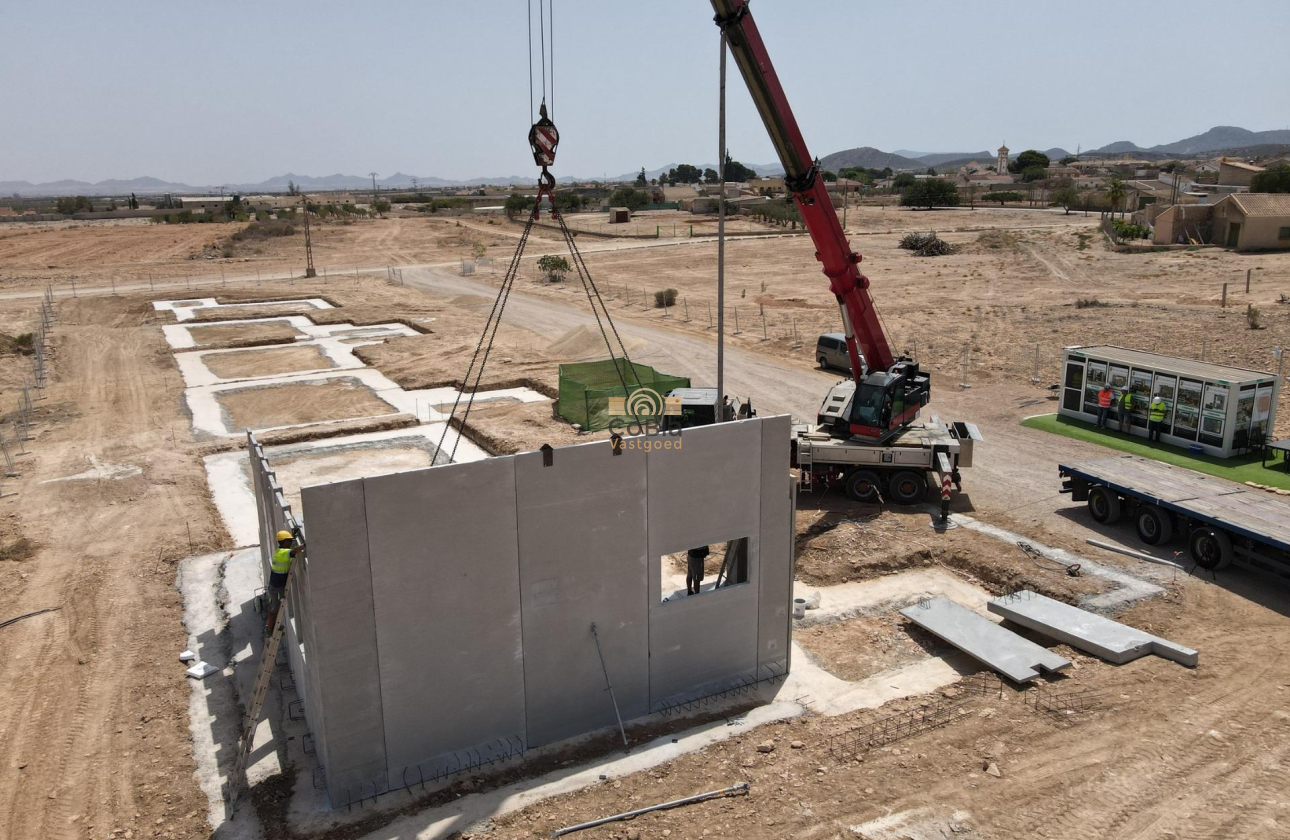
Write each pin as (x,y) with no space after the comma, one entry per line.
(304,402)
(277,360)
(243,334)
(93,722)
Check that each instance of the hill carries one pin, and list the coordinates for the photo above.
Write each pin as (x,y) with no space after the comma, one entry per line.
(868,157)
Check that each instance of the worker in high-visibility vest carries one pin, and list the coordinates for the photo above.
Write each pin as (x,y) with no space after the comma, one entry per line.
(1156,413)
(1125,406)
(279,567)
(1104,397)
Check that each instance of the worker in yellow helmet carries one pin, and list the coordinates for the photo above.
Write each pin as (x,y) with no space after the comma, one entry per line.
(1157,411)
(279,567)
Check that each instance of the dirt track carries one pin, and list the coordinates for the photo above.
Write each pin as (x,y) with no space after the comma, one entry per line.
(93,722)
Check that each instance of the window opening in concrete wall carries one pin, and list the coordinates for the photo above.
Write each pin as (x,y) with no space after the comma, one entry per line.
(703,569)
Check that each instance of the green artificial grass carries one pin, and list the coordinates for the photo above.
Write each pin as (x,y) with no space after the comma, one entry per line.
(1240,469)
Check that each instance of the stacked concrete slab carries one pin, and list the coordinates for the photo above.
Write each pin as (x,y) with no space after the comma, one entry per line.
(1018,659)
(443,615)
(1086,631)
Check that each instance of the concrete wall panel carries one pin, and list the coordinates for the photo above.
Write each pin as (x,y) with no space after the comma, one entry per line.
(582,560)
(707,492)
(445,576)
(350,731)
(775,586)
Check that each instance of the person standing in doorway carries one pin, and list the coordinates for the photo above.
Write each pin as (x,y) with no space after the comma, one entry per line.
(1125,406)
(1156,412)
(1104,398)
(694,569)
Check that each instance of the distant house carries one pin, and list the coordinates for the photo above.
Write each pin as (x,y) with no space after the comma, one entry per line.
(1236,173)
(1183,224)
(1253,222)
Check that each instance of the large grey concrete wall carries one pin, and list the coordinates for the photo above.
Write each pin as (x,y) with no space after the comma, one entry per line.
(449,609)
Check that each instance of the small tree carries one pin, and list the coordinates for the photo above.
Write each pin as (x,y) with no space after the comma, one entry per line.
(1276,180)
(929,193)
(1027,159)
(1001,196)
(1067,197)
(665,298)
(554,267)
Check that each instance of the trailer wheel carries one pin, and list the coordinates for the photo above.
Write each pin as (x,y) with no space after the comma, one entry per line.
(1154,525)
(1211,548)
(907,487)
(1104,505)
(864,486)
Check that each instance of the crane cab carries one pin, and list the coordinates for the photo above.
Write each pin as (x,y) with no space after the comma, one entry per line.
(878,406)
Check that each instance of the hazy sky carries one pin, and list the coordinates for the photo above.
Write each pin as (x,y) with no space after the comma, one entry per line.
(229,92)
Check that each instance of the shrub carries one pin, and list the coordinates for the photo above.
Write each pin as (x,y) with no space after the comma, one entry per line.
(665,298)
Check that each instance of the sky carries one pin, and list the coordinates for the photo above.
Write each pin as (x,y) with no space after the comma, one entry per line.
(238,91)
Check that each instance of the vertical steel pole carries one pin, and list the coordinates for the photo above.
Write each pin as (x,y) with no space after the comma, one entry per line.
(721,235)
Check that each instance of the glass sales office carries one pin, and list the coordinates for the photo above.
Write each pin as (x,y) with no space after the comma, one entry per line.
(1214,406)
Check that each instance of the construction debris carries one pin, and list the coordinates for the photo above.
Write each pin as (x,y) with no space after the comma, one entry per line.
(927,245)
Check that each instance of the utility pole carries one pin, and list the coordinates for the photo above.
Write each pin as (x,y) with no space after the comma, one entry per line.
(721,238)
(309,244)
(373,174)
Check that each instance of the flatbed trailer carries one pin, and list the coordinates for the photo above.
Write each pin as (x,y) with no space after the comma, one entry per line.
(1222,521)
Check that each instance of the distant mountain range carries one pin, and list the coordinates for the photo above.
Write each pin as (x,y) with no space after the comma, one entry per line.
(1228,139)
(1218,138)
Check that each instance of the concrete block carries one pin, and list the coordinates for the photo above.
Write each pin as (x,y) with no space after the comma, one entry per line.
(445,581)
(1086,631)
(1018,659)
(582,555)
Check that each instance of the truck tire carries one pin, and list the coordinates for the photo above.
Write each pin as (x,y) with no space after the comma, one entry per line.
(907,487)
(1211,548)
(1155,527)
(1104,505)
(864,486)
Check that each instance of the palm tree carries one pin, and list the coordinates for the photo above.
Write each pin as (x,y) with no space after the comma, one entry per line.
(1116,192)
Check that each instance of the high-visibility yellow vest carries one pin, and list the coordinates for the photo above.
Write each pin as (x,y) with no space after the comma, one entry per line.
(281,562)
(1157,410)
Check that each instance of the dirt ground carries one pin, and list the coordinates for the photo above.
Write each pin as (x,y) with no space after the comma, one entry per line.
(94,738)
(232,335)
(265,406)
(267,362)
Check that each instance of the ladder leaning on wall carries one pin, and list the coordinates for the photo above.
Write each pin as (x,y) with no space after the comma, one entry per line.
(268,661)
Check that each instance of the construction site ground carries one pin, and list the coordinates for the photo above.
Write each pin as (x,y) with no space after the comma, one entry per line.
(95,737)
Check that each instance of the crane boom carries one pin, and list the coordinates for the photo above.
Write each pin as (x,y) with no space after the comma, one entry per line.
(887,397)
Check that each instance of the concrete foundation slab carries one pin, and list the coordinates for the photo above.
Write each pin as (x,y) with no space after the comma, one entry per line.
(1018,659)
(1083,630)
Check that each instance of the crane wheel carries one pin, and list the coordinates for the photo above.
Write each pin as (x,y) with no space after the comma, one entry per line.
(864,486)
(1104,505)
(907,487)
(1211,548)
(1154,526)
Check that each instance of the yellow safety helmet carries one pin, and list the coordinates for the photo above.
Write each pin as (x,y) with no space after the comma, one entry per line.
(284,535)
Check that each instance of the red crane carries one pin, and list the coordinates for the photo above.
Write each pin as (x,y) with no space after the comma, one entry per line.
(887,391)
